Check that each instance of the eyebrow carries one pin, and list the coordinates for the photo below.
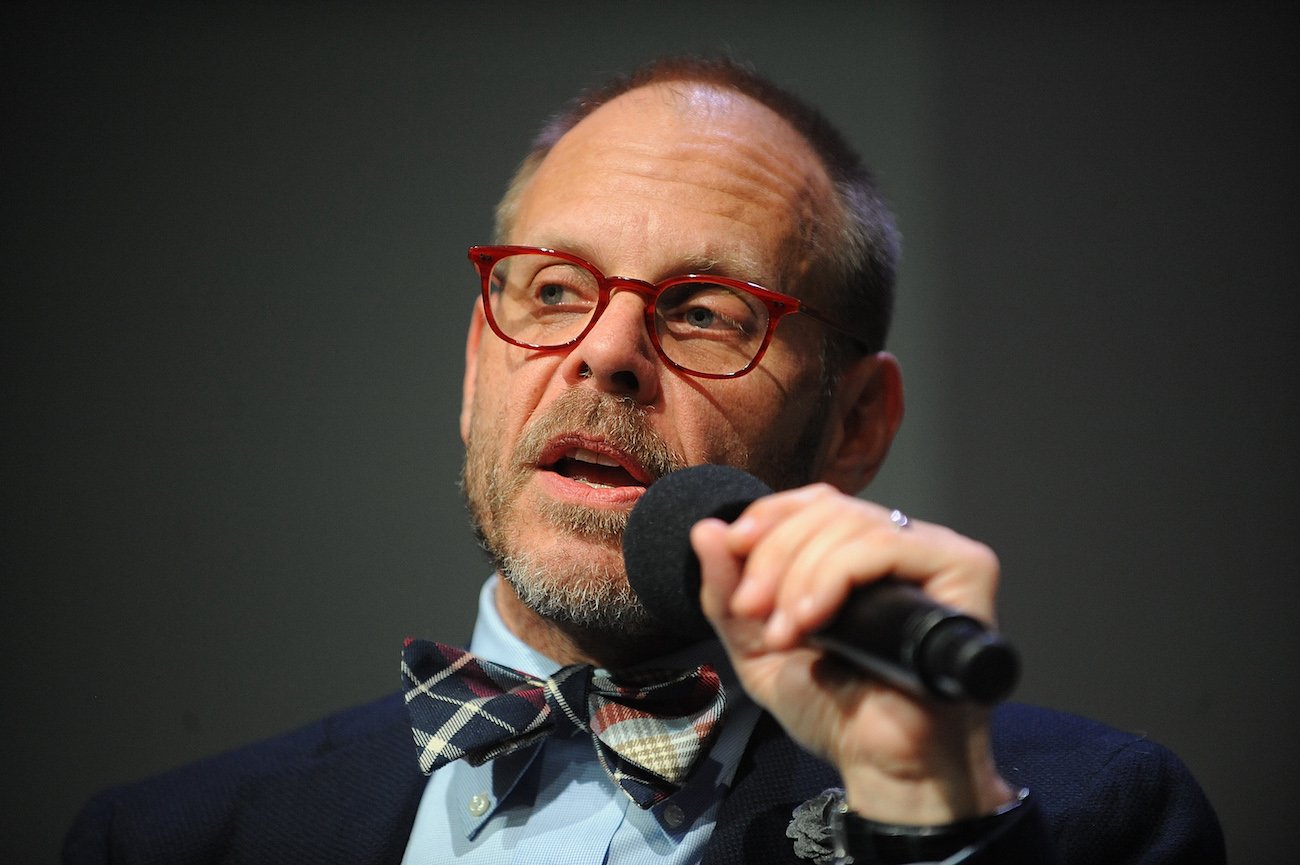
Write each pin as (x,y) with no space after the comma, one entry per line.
(741,267)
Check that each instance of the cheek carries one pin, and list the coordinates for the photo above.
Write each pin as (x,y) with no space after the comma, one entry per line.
(507,392)
(727,424)
(767,426)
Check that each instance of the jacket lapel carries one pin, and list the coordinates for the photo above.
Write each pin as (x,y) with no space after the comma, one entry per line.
(351,800)
(773,778)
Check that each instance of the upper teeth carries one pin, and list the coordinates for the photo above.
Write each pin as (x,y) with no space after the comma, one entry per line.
(587,456)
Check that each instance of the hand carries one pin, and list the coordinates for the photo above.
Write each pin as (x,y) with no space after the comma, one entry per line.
(780,572)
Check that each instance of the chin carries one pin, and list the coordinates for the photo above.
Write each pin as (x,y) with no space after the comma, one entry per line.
(587,592)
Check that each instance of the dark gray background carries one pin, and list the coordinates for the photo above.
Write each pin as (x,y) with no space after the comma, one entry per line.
(235,290)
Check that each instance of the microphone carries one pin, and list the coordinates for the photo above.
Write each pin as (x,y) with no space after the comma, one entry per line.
(890,628)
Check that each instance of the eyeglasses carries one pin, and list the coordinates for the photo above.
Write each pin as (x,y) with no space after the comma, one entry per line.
(706,326)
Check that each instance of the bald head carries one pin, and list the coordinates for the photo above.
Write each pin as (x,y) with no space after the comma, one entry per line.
(847,249)
(745,167)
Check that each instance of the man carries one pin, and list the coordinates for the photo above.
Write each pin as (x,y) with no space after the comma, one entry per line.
(692,268)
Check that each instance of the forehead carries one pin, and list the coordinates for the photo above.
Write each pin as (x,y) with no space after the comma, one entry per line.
(677,174)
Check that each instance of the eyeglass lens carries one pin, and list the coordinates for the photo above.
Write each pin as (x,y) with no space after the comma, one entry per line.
(702,326)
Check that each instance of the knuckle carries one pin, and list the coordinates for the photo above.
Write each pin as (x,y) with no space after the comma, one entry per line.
(984,560)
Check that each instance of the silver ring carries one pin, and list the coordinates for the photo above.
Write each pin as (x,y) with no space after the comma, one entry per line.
(899,519)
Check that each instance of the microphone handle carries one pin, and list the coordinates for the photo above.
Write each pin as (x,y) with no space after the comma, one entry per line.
(893,630)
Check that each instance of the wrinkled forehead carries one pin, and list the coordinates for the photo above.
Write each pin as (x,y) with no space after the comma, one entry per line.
(701,118)
(685,150)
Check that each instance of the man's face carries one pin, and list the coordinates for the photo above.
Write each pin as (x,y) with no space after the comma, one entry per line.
(664,180)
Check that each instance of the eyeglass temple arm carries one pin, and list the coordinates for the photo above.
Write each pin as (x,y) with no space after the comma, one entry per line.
(833,325)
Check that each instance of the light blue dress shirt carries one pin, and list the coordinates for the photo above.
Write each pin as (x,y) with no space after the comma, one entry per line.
(553,804)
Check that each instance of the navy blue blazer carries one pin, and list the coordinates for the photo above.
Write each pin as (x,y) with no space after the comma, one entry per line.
(346,789)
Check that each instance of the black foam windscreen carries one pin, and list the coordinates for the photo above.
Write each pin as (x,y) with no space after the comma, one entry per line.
(661,566)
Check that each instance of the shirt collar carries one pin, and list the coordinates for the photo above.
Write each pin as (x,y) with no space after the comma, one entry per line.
(487,786)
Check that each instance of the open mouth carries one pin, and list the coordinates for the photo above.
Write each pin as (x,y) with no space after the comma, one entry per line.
(597,469)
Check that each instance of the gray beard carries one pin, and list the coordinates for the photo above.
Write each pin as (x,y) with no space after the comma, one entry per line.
(586,598)
(582,597)
(597,602)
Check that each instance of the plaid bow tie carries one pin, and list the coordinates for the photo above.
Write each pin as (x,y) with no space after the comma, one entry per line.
(649,729)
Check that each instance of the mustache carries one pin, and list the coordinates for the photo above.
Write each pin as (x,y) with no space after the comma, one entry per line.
(616,420)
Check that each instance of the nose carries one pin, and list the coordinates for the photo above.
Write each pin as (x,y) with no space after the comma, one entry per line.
(617,355)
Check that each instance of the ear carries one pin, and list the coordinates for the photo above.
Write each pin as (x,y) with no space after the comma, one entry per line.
(866,410)
(472,341)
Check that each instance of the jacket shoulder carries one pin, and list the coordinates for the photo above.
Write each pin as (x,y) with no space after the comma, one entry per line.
(186,814)
(1106,794)
(1101,794)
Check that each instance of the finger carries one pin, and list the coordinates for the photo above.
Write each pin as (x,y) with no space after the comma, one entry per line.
(762,514)
(816,551)
(767,536)
(719,569)
(720,573)
(953,570)
(784,567)
(805,550)
(807,563)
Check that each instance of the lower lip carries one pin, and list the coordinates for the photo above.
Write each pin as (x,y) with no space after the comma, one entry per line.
(559,487)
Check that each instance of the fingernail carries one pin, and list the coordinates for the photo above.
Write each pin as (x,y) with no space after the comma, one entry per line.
(777,632)
(806,608)
(742,599)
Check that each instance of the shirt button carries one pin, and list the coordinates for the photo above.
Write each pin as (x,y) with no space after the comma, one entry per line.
(674,816)
(479,804)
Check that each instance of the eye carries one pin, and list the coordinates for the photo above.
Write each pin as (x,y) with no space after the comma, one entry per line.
(701,309)
(562,285)
(551,294)
(698,316)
